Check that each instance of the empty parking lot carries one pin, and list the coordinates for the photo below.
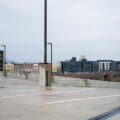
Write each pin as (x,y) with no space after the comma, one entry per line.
(26,100)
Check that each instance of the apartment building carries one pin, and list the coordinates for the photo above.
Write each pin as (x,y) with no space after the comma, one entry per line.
(84,66)
(104,65)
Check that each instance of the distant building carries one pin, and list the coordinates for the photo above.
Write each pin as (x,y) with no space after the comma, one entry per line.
(18,67)
(104,65)
(35,67)
(83,65)
(1,60)
(115,66)
(54,68)
(26,67)
(9,67)
(109,65)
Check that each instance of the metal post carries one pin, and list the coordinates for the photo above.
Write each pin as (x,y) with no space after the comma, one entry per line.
(45,31)
(51,56)
(4,67)
(4,56)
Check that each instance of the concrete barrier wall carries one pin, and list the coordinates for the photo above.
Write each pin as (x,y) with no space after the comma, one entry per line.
(17,75)
(85,82)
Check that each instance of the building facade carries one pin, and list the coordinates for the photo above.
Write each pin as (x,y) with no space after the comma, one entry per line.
(1,60)
(9,67)
(105,65)
(115,66)
(26,67)
(75,66)
(84,66)
(55,68)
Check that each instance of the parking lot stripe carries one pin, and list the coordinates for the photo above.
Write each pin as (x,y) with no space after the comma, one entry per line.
(88,98)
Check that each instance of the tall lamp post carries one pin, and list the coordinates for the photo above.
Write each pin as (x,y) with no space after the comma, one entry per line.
(45,78)
(4,56)
(51,56)
(45,31)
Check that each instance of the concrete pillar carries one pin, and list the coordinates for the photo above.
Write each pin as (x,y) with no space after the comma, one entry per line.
(85,82)
(5,73)
(45,75)
(26,75)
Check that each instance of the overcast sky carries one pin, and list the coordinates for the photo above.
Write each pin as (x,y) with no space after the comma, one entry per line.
(75,27)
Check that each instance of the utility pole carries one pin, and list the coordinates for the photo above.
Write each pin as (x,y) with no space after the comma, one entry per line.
(45,78)
(45,31)
(51,56)
(4,56)
(4,67)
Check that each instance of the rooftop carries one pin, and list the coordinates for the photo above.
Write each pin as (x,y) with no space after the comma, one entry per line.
(24,100)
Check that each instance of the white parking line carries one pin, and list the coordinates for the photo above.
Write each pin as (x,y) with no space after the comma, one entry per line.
(75,91)
(88,98)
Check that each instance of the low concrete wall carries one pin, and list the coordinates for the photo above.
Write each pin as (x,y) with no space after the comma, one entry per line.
(17,75)
(85,82)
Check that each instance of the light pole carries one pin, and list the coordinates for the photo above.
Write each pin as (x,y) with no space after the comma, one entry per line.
(51,55)
(4,56)
(45,31)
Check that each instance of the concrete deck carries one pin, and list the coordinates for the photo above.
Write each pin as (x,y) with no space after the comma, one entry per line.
(25,100)
(116,117)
